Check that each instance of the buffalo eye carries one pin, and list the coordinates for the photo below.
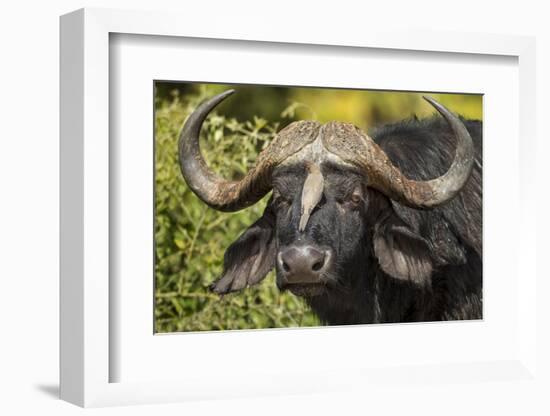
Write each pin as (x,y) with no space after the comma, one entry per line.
(279,199)
(351,200)
(356,198)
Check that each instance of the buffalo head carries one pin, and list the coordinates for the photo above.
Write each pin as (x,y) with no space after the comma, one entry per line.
(333,190)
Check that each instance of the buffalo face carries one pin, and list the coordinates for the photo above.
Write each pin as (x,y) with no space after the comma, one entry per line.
(313,258)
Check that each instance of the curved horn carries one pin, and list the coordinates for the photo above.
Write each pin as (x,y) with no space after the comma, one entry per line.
(355,147)
(225,195)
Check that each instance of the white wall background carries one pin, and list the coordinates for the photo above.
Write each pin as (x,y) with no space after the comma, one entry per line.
(29,56)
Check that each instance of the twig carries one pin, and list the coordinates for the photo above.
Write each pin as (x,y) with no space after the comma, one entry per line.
(197,230)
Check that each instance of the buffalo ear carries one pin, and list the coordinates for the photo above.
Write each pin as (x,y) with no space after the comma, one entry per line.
(402,253)
(250,258)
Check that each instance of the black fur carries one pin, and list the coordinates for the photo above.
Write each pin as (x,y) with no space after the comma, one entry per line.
(391,263)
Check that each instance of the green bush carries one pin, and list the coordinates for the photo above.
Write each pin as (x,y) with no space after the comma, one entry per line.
(191,238)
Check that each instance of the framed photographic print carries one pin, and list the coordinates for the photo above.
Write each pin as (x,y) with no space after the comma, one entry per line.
(236,229)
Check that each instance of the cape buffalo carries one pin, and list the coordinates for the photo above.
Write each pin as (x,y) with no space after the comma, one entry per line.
(368,229)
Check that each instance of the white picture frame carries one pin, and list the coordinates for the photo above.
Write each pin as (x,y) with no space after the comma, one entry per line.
(86,356)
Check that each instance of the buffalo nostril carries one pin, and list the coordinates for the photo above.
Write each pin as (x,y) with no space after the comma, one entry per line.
(286,267)
(318,265)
